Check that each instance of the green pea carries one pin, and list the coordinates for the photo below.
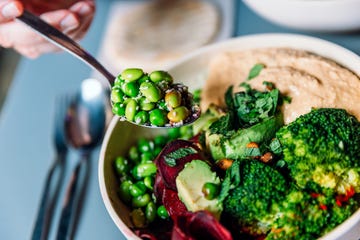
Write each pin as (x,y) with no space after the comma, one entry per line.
(146,169)
(141,201)
(158,76)
(138,218)
(145,145)
(150,91)
(130,110)
(145,104)
(147,157)
(124,191)
(132,74)
(141,117)
(158,117)
(150,211)
(197,96)
(162,212)
(210,190)
(134,154)
(118,109)
(160,140)
(117,95)
(173,99)
(178,114)
(121,165)
(149,182)
(137,189)
(131,89)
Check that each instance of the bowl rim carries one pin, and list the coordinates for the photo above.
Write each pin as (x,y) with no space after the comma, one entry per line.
(340,54)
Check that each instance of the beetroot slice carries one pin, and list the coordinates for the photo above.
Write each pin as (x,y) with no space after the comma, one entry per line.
(173,204)
(159,188)
(168,171)
(199,225)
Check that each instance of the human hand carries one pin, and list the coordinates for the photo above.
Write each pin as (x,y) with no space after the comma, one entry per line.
(72,17)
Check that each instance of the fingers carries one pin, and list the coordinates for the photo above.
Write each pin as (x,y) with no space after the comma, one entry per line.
(10,10)
(85,10)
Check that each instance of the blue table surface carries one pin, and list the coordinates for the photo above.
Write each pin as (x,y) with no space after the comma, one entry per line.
(26,122)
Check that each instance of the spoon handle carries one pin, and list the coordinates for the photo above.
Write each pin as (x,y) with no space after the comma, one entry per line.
(64,42)
(72,200)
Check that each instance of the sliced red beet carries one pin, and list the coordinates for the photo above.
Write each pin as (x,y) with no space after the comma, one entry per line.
(173,204)
(170,166)
(159,187)
(199,225)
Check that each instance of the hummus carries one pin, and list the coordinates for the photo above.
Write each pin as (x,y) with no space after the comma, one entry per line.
(311,81)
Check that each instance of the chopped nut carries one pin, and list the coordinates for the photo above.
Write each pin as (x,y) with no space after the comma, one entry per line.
(224,163)
(267,157)
(252,145)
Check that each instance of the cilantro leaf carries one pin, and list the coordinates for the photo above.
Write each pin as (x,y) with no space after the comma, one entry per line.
(255,71)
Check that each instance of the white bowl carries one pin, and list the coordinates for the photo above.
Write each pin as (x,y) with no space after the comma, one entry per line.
(310,15)
(192,70)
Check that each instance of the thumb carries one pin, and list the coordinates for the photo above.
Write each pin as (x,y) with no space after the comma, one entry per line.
(9,10)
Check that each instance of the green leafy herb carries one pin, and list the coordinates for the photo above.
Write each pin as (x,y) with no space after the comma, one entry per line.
(269,85)
(222,126)
(255,71)
(254,106)
(275,146)
(231,180)
(228,97)
(252,152)
(172,157)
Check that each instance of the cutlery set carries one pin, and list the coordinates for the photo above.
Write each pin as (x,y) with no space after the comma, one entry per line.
(80,122)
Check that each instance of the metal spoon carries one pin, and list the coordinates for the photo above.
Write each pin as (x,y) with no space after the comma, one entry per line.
(84,127)
(69,45)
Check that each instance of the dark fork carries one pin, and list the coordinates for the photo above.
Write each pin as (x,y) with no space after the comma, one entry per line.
(52,188)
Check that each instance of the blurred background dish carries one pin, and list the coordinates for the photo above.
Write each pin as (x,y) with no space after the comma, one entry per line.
(310,15)
(142,33)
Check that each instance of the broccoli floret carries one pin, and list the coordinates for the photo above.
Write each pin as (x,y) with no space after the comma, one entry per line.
(258,189)
(306,215)
(323,146)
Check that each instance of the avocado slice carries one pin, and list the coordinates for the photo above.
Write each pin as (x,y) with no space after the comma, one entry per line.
(189,185)
(234,147)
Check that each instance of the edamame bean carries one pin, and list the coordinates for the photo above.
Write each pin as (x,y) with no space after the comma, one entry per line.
(131,89)
(174,133)
(147,157)
(146,169)
(117,95)
(134,154)
(145,104)
(132,74)
(124,191)
(150,211)
(141,117)
(178,114)
(138,218)
(150,91)
(173,99)
(137,189)
(210,190)
(157,151)
(130,110)
(118,81)
(121,165)
(118,109)
(149,182)
(158,117)
(160,140)
(162,212)
(141,201)
(158,76)
(145,145)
